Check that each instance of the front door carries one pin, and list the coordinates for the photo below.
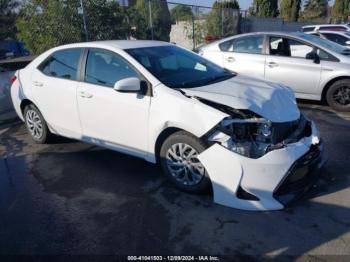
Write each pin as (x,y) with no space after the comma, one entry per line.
(287,64)
(110,118)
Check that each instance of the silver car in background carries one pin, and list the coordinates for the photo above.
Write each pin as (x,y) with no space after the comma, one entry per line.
(314,68)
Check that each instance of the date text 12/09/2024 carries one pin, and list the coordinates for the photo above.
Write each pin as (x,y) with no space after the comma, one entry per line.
(173,258)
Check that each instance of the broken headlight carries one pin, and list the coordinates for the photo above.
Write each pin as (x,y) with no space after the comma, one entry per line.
(254,137)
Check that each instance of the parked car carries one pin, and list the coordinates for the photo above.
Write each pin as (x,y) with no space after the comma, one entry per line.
(8,68)
(206,126)
(314,68)
(11,49)
(326,27)
(341,38)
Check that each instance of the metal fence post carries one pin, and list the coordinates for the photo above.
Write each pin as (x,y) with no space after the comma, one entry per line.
(193,30)
(150,18)
(84,21)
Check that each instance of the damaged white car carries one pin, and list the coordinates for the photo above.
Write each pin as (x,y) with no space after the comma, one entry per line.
(207,127)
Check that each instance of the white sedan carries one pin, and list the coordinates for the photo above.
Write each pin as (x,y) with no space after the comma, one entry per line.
(206,126)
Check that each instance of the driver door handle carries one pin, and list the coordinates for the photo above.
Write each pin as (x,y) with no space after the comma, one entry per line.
(272,64)
(230,59)
(85,94)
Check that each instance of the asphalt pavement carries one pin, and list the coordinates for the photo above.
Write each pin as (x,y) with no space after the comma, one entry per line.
(71,198)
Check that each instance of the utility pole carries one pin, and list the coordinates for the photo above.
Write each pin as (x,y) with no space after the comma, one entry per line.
(81,11)
(150,18)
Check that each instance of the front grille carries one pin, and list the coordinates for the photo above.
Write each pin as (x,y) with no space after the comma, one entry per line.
(300,177)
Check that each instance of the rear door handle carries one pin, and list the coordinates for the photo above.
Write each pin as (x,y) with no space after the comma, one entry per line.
(37,83)
(85,95)
(272,64)
(230,59)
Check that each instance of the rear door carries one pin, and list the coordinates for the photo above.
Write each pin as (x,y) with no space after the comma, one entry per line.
(54,87)
(245,55)
(287,64)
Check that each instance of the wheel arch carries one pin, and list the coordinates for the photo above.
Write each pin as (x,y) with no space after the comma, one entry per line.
(330,83)
(162,137)
(25,102)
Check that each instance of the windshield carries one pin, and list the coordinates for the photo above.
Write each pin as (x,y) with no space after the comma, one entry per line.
(326,44)
(178,68)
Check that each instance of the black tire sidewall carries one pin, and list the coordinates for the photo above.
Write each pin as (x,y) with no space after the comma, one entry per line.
(183,137)
(44,138)
(329,96)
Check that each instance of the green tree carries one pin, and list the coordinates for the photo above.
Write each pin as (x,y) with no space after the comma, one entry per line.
(223,20)
(181,13)
(44,24)
(340,11)
(160,15)
(264,8)
(8,18)
(289,10)
(315,11)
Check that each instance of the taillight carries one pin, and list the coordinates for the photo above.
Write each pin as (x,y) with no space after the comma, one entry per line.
(13,79)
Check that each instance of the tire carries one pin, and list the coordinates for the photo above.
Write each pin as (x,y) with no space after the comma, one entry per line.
(338,95)
(36,124)
(193,178)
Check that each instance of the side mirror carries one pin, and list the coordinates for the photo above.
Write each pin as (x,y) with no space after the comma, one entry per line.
(130,84)
(313,56)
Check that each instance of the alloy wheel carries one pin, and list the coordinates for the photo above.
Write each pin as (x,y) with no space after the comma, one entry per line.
(184,165)
(342,95)
(34,124)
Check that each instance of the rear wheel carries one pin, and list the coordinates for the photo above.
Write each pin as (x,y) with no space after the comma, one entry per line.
(178,159)
(36,124)
(338,95)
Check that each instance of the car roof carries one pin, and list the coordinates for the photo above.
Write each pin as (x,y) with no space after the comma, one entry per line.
(119,44)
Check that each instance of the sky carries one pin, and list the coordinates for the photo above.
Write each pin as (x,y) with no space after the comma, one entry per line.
(244,4)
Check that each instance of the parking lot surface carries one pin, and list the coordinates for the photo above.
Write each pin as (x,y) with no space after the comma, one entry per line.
(74,198)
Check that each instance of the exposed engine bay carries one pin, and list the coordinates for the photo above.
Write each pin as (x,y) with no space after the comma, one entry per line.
(252,136)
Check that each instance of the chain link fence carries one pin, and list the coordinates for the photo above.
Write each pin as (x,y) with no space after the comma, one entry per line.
(44,24)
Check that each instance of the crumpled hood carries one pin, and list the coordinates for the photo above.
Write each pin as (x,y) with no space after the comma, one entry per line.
(269,100)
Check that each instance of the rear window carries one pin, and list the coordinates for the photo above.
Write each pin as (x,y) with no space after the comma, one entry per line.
(332,28)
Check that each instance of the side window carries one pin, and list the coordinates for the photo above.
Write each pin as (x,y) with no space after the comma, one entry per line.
(106,68)
(325,56)
(339,39)
(249,44)
(299,49)
(63,64)
(288,47)
(226,46)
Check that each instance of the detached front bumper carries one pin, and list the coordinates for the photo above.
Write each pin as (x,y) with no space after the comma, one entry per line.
(268,183)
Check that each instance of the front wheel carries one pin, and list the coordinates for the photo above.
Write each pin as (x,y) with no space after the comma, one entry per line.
(338,95)
(178,159)
(36,124)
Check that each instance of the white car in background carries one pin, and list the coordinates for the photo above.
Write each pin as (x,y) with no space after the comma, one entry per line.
(325,27)
(314,68)
(206,126)
(341,38)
